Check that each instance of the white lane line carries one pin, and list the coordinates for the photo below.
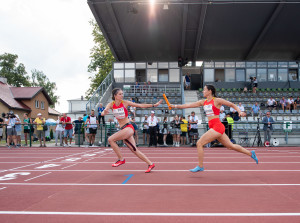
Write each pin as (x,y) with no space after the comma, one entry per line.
(260,162)
(150,185)
(146,214)
(37,176)
(2,188)
(44,161)
(156,170)
(69,166)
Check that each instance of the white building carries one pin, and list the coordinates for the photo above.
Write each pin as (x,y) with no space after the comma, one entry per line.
(77,108)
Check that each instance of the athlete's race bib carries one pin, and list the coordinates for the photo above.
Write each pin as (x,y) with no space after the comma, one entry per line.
(119,113)
(208,110)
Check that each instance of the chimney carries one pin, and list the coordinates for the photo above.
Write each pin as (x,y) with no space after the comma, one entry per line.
(3,80)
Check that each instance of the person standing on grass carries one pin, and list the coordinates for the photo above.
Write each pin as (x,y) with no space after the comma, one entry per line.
(92,124)
(59,130)
(211,107)
(120,111)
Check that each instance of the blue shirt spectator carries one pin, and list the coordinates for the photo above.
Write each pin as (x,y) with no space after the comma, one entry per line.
(255,109)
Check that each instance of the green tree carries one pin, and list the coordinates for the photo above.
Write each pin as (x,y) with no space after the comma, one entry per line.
(101,60)
(15,73)
(39,79)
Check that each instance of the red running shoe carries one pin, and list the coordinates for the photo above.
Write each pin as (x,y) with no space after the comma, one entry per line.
(118,163)
(150,167)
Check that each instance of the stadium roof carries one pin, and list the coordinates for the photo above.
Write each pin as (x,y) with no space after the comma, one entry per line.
(200,30)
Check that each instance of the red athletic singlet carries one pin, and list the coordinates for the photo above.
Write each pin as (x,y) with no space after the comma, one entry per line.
(120,112)
(210,108)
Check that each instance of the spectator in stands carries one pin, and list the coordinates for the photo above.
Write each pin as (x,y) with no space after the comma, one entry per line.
(255,109)
(271,103)
(18,127)
(175,124)
(40,121)
(132,110)
(152,123)
(137,87)
(183,128)
(68,129)
(165,130)
(130,115)
(187,81)
(59,131)
(230,122)
(136,134)
(222,108)
(145,88)
(283,103)
(234,114)
(194,128)
(100,110)
(26,122)
(149,87)
(268,128)
(222,115)
(245,89)
(297,103)
(290,105)
(254,85)
(145,130)
(92,124)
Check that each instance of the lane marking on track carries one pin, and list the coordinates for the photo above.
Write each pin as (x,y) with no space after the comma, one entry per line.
(69,166)
(129,176)
(150,185)
(260,162)
(44,161)
(145,214)
(156,170)
(2,188)
(37,176)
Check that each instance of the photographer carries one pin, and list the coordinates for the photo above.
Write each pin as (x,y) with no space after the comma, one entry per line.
(10,121)
(1,128)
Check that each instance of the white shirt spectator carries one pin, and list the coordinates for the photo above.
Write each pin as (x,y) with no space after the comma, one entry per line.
(152,121)
(222,108)
(222,116)
(241,108)
(271,101)
(232,109)
(59,126)
(290,101)
(194,119)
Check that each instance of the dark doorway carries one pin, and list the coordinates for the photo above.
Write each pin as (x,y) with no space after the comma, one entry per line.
(219,75)
(141,75)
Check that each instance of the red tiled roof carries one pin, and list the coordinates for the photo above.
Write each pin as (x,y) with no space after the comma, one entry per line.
(53,111)
(7,98)
(25,92)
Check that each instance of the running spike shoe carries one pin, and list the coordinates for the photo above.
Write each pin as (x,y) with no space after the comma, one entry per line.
(197,169)
(253,156)
(118,163)
(150,167)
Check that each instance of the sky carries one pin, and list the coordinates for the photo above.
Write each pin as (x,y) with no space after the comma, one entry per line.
(53,36)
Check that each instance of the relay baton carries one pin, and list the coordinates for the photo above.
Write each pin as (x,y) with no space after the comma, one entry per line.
(167,101)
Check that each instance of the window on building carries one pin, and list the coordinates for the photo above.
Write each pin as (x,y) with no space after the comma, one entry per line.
(37,104)
(240,75)
(250,73)
(261,64)
(261,74)
(129,76)
(163,65)
(282,64)
(118,65)
(42,105)
(119,76)
(152,75)
(140,65)
(240,64)
(272,75)
(163,75)
(209,75)
(251,64)
(229,64)
(208,64)
(219,64)
(174,75)
(229,75)
(282,74)
(293,74)
(129,65)
(272,64)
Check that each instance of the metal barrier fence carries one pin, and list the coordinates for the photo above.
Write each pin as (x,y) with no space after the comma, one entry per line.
(244,133)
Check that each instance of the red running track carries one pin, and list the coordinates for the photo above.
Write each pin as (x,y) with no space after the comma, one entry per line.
(79,185)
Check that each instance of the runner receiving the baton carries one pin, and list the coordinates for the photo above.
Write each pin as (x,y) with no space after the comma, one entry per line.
(119,108)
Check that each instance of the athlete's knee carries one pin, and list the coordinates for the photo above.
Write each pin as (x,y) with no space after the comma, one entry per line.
(200,143)
(110,139)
